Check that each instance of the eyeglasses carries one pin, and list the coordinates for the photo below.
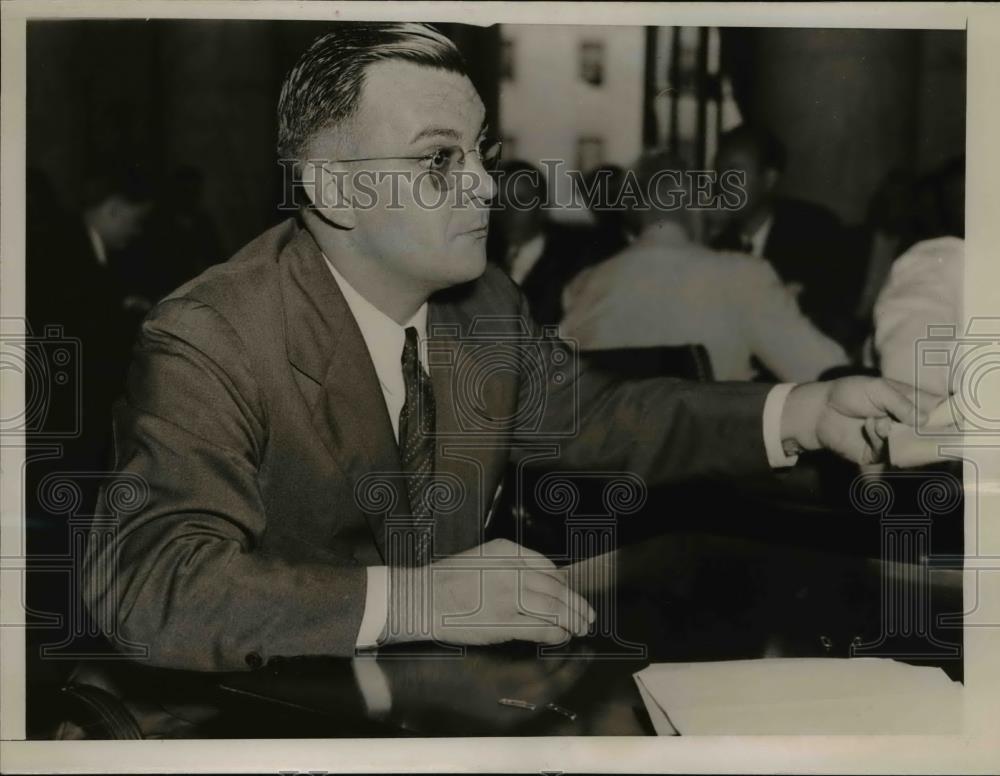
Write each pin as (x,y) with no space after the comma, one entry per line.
(444,162)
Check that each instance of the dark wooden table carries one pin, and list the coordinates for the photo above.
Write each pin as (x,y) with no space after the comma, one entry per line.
(678,597)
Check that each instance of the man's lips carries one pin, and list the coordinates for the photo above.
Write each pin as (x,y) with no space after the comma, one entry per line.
(481,229)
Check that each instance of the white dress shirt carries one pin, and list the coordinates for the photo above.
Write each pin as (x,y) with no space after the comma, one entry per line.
(384,339)
(924,289)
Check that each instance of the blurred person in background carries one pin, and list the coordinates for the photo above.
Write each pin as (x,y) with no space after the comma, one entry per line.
(602,188)
(941,201)
(541,256)
(924,289)
(74,281)
(667,289)
(889,229)
(923,286)
(802,240)
(75,275)
(182,240)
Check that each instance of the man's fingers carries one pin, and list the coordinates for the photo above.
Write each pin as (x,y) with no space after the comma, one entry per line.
(896,400)
(544,583)
(544,607)
(876,430)
(531,558)
(531,630)
(517,554)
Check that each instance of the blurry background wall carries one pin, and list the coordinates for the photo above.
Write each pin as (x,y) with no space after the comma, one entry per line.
(850,104)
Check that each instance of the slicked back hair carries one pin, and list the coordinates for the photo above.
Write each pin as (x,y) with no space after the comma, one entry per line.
(324,87)
(760,141)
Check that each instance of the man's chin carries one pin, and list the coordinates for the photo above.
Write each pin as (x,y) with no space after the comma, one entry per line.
(470,267)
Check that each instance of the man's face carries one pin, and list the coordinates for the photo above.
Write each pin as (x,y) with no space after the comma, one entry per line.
(759,180)
(122,221)
(422,234)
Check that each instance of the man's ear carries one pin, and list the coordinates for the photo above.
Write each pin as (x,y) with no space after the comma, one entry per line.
(328,187)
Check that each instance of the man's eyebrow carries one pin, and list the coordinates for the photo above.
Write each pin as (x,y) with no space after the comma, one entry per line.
(447,132)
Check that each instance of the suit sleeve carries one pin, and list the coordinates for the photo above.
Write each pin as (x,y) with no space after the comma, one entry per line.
(184,574)
(662,429)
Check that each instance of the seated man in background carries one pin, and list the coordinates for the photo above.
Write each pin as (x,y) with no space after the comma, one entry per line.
(888,230)
(802,240)
(611,232)
(666,289)
(539,255)
(75,280)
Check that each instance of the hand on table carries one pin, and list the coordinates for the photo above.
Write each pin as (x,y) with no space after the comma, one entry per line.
(851,416)
(496,592)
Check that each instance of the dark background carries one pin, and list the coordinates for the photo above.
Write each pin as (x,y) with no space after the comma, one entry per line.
(169,93)
(849,104)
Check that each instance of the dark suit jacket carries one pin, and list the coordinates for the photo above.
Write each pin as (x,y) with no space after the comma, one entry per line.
(807,244)
(568,250)
(255,418)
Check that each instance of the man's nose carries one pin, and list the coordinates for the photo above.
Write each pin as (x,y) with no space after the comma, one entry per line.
(484,188)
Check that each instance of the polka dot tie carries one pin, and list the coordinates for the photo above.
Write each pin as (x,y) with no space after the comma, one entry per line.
(416,445)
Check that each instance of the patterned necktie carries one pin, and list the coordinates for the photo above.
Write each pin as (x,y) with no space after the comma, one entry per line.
(416,442)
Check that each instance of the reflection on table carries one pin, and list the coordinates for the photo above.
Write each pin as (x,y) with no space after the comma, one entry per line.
(675,597)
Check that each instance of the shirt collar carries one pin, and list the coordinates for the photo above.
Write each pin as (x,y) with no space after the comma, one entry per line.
(759,238)
(664,232)
(526,256)
(100,252)
(382,335)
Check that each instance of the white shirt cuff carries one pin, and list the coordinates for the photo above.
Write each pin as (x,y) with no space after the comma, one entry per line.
(376,614)
(774,405)
(373,684)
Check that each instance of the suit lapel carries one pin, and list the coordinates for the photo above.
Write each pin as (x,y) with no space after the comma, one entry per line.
(324,343)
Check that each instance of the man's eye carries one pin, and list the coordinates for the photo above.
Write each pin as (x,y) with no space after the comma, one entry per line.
(439,159)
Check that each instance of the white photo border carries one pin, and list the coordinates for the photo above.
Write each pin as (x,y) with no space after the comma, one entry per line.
(976,750)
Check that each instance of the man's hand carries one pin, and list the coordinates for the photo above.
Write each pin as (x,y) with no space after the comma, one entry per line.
(496,592)
(851,416)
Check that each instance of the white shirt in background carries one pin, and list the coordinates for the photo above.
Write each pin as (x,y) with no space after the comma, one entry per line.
(924,289)
(665,289)
(525,257)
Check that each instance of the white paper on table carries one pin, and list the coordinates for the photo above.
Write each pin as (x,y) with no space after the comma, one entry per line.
(800,696)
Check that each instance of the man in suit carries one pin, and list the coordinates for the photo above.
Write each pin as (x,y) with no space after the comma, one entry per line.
(541,256)
(316,427)
(804,241)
